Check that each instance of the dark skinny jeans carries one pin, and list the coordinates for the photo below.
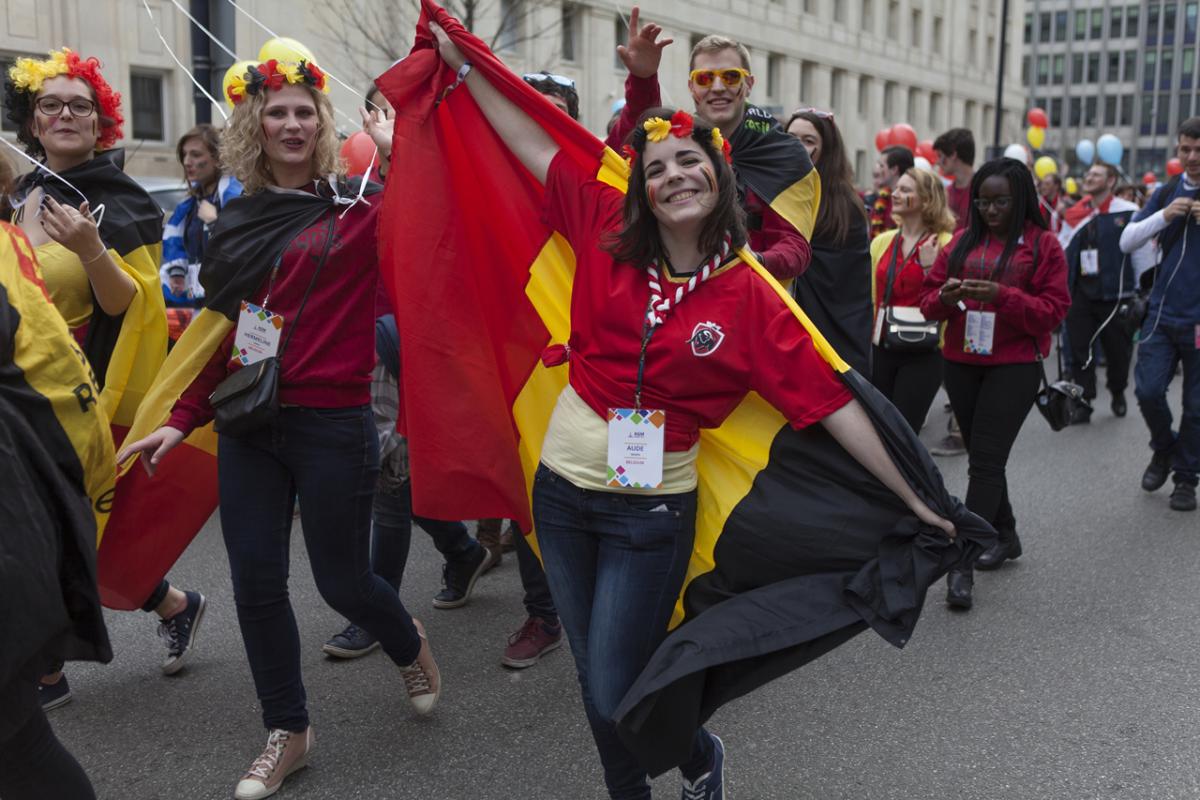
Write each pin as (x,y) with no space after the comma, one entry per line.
(34,765)
(909,380)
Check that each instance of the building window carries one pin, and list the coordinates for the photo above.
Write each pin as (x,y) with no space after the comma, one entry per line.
(868,16)
(1090,117)
(1130,66)
(969,114)
(1189,25)
(864,95)
(860,165)
(1115,18)
(935,110)
(806,87)
(1110,111)
(1131,20)
(910,106)
(146,102)
(1114,67)
(774,71)
(1043,70)
(621,36)
(1025,71)
(1028,28)
(1060,26)
(1185,105)
(837,80)
(1148,111)
(512,20)
(1160,119)
(915,31)
(1150,62)
(1093,68)
(810,6)
(1168,66)
(839,13)
(1186,68)
(973,47)
(1056,111)
(937,35)
(1169,17)
(570,33)
(1045,26)
(1097,23)
(1126,118)
(889,100)
(893,19)
(1080,24)
(1152,13)
(1076,111)
(1059,65)
(1077,73)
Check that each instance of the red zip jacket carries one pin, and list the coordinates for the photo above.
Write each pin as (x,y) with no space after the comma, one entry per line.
(1032,302)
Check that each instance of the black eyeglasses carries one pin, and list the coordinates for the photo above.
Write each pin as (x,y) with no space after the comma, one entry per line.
(537,77)
(1002,202)
(52,106)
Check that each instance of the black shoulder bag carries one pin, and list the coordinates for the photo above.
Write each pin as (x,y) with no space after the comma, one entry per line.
(249,398)
(1056,401)
(903,328)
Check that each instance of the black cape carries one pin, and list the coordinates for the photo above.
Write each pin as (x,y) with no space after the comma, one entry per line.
(253,231)
(835,293)
(766,158)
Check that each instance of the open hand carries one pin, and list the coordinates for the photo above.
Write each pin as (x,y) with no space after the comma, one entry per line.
(152,448)
(73,228)
(378,126)
(927,253)
(447,49)
(643,52)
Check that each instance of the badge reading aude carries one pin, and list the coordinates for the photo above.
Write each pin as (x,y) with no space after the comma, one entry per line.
(706,338)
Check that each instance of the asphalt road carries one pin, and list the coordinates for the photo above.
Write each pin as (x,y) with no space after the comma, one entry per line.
(1076,676)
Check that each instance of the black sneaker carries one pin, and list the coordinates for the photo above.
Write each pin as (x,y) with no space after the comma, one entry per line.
(710,785)
(350,643)
(1157,471)
(179,632)
(1184,496)
(53,695)
(459,576)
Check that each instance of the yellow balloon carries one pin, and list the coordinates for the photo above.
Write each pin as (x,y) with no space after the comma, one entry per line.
(1071,186)
(1045,166)
(235,75)
(284,49)
(1036,137)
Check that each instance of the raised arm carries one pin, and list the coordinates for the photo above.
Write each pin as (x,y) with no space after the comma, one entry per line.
(524,137)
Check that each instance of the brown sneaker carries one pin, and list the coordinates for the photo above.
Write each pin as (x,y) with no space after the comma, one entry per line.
(535,638)
(286,752)
(488,534)
(508,539)
(422,680)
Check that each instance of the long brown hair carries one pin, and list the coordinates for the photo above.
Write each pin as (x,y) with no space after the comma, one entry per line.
(638,242)
(840,205)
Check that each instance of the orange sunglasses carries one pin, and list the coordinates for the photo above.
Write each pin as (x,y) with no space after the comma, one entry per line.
(732,78)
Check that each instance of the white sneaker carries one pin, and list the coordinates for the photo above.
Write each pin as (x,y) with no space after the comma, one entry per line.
(285,753)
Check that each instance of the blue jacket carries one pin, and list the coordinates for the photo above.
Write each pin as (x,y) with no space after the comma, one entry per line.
(1102,233)
(1179,267)
(174,253)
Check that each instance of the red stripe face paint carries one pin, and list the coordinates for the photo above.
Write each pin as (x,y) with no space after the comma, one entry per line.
(650,197)
(712,179)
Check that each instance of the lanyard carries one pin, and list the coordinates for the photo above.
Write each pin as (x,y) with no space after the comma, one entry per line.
(647,332)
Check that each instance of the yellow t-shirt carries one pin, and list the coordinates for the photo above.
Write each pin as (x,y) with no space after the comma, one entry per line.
(67,282)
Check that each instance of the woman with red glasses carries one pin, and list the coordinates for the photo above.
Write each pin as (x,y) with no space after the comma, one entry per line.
(1001,287)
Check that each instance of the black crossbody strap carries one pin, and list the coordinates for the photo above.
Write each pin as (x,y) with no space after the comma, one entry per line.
(311,284)
(897,243)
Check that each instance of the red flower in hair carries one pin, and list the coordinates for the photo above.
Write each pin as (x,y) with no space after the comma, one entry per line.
(681,124)
(630,153)
(318,77)
(272,78)
(728,151)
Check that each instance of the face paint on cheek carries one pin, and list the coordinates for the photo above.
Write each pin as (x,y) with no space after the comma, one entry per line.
(712,179)
(650,197)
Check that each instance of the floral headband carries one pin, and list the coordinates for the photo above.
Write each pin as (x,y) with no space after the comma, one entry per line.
(681,125)
(272,75)
(27,75)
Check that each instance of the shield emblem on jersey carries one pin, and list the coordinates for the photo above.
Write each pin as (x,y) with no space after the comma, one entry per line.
(706,338)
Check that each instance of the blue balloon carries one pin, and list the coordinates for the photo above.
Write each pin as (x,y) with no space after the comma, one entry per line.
(617,105)
(1110,149)
(1085,151)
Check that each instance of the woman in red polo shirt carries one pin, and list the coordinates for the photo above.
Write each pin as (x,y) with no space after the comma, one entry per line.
(667,319)
(1001,286)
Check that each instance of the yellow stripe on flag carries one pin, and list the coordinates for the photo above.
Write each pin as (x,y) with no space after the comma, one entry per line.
(799,202)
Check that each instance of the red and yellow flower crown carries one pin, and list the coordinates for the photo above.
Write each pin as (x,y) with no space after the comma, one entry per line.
(272,75)
(28,74)
(681,125)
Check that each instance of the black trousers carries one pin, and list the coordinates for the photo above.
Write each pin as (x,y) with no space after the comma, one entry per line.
(34,765)
(991,403)
(909,380)
(1083,320)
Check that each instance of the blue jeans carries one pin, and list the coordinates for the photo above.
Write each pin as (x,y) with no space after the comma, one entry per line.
(330,459)
(392,533)
(615,568)
(1158,355)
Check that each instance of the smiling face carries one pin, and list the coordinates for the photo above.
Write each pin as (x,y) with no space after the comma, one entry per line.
(717,103)
(681,186)
(997,213)
(1097,180)
(1188,153)
(289,125)
(883,176)
(905,199)
(199,165)
(808,135)
(66,135)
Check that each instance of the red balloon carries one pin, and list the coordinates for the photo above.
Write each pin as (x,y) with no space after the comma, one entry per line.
(883,139)
(1174,167)
(1037,118)
(357,151)
(1149,178)
(904,136)
(926,151)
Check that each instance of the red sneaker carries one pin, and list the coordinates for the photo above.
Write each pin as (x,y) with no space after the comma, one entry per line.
(535,638)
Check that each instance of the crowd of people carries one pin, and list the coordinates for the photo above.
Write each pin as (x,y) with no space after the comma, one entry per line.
(261,297)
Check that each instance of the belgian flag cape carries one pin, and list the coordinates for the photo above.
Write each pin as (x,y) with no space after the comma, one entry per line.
(797,547)
(776,166)
(56,470)
(168,510)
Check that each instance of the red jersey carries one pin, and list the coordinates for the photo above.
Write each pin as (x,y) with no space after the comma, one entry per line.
(753,341)
(1033,298)
(906,286)
(329,359)
(959,201)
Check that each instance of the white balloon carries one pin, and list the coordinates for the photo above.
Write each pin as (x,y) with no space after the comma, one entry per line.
(1018,152)
(920,162)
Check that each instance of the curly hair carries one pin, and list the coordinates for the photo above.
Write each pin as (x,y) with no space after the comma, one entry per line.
(23,84)
(638,242)
(242,152)
(935,211)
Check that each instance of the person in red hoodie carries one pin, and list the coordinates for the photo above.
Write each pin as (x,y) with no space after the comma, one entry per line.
(1001,286)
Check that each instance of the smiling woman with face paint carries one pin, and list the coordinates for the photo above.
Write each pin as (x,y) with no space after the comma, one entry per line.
(1001,286)
(668,322)
(299,245)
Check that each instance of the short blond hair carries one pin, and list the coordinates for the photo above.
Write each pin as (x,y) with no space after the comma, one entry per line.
(242,152)
(715,43)
(935,210)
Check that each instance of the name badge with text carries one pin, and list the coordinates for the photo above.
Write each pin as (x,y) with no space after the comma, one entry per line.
(1089,262)
(636,444)
(980,333)
(258,333)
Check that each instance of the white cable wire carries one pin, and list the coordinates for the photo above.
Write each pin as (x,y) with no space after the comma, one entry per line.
(1182,253)
(97,213)
(1113,313)
(187,71)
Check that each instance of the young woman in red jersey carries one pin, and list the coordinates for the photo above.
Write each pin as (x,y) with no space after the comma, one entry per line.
(616,559)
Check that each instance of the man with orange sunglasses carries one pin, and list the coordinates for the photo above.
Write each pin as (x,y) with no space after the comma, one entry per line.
(778,187)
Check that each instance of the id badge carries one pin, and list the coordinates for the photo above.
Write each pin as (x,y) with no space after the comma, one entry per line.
(1089,262)
(877,335)
(636,443)
(980,332)
(258,333)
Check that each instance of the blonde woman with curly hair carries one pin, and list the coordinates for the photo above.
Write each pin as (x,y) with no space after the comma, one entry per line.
(909,377)
(299,245)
